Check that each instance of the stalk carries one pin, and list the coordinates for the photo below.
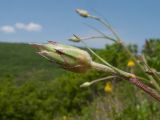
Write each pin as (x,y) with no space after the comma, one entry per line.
(145,88)
(118,40)
(129,77)
(104,68)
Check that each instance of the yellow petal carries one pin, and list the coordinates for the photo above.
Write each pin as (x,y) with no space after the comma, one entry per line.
(108,87)
(131,63)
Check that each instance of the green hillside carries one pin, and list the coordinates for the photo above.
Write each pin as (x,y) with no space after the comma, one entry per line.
(31,88)
(21,61)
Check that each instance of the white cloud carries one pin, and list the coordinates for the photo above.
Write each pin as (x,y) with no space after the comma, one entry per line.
(7,29)
(29,27)
(32,27)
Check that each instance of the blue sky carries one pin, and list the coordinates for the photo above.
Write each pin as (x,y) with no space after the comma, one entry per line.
(43,20)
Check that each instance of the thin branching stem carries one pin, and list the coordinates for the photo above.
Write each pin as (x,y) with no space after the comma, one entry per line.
(102,79)
(108,26)
(95,37)
(133,80)
(148,67)
(100,32)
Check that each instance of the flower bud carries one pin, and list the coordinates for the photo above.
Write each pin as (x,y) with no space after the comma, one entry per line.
(75,39)
(86,84)
(68,57)
(82,13)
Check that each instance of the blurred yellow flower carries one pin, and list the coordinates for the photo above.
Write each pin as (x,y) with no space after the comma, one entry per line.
(130,63)
(108,87)
(65,117)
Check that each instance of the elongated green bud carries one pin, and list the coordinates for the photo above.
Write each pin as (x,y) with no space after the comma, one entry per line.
(86,84)
(82,13)
(68,57)
(75,39)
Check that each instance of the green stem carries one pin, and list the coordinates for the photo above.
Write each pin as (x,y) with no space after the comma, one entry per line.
(118,71)
(125,75)
(104,68)
(155,75)
(94,37)
(103,34)
(102,79)
(108,26)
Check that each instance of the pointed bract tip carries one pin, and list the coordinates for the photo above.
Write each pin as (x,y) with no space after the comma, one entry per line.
(52,42)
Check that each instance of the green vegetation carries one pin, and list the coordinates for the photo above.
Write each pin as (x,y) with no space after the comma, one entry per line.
(21,62)
(34,89)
